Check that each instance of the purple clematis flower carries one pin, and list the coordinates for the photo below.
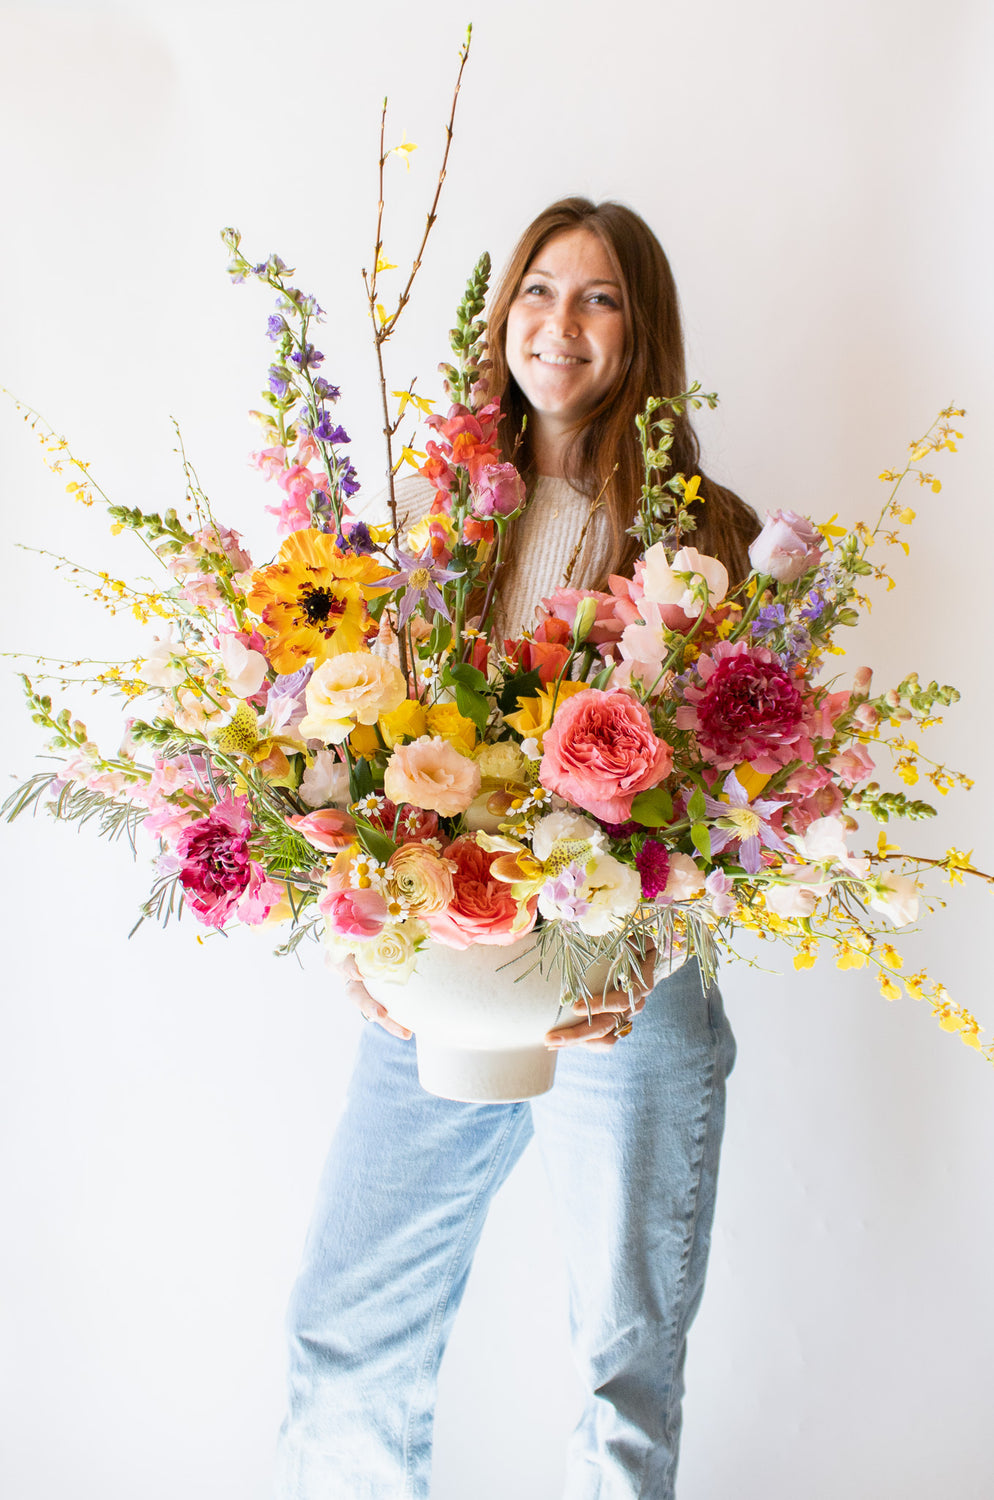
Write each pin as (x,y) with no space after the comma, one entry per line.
(738,818)
(422,577)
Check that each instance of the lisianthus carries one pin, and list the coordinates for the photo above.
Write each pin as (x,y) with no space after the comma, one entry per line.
(745,707)
(483,909)
(352,687)
(787,546)
(431,773)
(601,751)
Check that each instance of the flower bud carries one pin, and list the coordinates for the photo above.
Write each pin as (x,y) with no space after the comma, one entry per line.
(583,620)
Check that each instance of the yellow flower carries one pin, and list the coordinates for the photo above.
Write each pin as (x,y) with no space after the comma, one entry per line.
(849,958)
(364,740)
(420,535)
(891,957)
(312,601)
(447,723)
(534,716)
(888,988)
(406,722)
(752,782)
(955,863)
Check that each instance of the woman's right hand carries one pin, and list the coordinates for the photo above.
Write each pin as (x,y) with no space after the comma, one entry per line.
(371,1009)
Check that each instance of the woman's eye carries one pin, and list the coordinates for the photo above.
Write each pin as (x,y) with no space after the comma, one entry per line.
(604,299)
(536,289)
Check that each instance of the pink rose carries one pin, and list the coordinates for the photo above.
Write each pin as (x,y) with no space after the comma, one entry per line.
(607,623)
(787,546)
(482,909)
(498,490)
(601,751)
(430,773)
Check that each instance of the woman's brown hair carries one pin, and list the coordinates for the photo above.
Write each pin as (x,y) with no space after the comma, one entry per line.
(653,365)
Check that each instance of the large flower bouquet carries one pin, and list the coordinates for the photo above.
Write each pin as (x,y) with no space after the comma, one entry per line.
(341,739)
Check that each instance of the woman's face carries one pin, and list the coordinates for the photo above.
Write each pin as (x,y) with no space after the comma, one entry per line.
(566,329)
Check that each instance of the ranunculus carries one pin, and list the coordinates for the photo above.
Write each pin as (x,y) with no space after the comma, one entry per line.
(429,772)
(787,546)
(601,751)
(352,687)
(421,878)
(392,953)
(747,708)
(895,897)
(498,490)
(482,909)
(501,762)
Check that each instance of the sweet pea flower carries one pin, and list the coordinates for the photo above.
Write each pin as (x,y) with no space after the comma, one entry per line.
(244,670)
(664,583)
(896,897)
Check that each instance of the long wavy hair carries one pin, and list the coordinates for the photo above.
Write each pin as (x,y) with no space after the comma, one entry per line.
(603,452)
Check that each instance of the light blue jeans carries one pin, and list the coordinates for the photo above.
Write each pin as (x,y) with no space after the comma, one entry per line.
(630,1141)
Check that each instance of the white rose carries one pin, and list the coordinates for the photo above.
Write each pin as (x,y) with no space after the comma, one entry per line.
(391,954)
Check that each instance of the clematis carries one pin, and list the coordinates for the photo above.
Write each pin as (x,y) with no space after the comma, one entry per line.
(420,577)
(746,821)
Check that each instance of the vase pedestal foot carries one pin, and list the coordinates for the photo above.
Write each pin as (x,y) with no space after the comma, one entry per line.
(475,1076)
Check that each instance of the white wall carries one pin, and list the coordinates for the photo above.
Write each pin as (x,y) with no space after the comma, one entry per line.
(820,174)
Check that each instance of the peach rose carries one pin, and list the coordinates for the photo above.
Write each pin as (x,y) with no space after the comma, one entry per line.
(601,752)
(430,773)
(482,909)
(353,687)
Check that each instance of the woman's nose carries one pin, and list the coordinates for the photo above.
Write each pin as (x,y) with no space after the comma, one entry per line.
(563,320)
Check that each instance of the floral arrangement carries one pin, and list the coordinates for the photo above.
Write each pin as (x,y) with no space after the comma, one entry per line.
(341,740)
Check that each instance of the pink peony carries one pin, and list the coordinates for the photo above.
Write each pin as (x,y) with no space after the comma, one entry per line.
(747,708)
(601,751)
(482,909)
(787,546)
(430,773)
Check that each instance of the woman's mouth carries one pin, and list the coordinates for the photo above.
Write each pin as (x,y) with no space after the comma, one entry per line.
(559,359)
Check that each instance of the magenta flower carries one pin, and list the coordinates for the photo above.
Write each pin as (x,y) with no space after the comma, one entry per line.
(215,867)
(653,864)
(746,708)
(740,819)
(422,577)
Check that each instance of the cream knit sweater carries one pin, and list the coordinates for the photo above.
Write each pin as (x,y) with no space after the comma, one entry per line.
(547,536)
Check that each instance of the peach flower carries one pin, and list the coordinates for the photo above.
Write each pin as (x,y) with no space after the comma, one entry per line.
(430,773)
(421,878)
(353,687)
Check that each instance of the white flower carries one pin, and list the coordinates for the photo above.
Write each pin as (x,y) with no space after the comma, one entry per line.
(244,670)
(557,826)
(163,666)
(896,897)
(663,583)
(823,842)
(325,783)
(614,891)
(391,954)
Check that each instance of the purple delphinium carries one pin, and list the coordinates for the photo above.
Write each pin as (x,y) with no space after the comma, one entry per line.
(354,537)
(769,619)
(276,327)
(306,358)
(348,482)
(324,389)
(279,380)
(814,606)
(745,821)
(421,577)
(326,431)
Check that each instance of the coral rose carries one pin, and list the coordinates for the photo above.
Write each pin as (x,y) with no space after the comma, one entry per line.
(601,752)
(482,909)
(430,773)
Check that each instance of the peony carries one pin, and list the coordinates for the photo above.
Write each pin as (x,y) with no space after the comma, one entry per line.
(392,953)
(747,708)
(482,909)
(354,686)
(431,773)
(420,878)
(787,546)
(601,752)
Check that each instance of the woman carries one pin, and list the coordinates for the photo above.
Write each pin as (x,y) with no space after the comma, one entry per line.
(584,327)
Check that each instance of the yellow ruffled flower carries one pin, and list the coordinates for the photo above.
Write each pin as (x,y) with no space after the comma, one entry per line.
(312,600)
(406,722)
(364,740)
(534,716)
(447,723)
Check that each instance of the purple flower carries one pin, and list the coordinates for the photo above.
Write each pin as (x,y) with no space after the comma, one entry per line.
(326,432)
(354,537)
(306,358)
(563,891)
(275,327)
(348,482)
(325,391)
(421,577)
(768,620)
(814,607)
(738,819)
(279,380)
(720,888)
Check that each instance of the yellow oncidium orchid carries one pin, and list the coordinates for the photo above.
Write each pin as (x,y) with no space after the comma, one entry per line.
(241,737)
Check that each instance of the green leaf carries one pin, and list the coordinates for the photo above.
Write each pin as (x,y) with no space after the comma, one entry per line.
(696,807)
(360,778)
(701,839)
(375,842)
(472,706)
(603,676)
(469,676)
(653,809)
(440,637)
(525,685)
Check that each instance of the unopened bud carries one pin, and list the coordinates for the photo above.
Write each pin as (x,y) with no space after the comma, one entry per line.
(583,620)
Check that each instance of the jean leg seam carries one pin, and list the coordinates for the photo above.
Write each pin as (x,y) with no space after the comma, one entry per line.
(432,1338)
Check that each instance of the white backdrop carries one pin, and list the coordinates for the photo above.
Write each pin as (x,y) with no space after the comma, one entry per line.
(820,175)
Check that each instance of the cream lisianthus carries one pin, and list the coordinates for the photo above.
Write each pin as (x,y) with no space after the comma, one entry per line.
(392,953)
(613,890)
(352,687)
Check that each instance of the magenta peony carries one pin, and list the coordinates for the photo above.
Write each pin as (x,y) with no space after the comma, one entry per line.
(601,752)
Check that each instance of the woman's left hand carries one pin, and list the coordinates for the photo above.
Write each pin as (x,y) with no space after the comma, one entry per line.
(610,1014)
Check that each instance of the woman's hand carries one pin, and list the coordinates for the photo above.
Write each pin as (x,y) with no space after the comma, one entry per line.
(610,1014)
(371,1009)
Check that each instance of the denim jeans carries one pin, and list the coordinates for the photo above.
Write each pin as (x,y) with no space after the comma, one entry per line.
(630,1141)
